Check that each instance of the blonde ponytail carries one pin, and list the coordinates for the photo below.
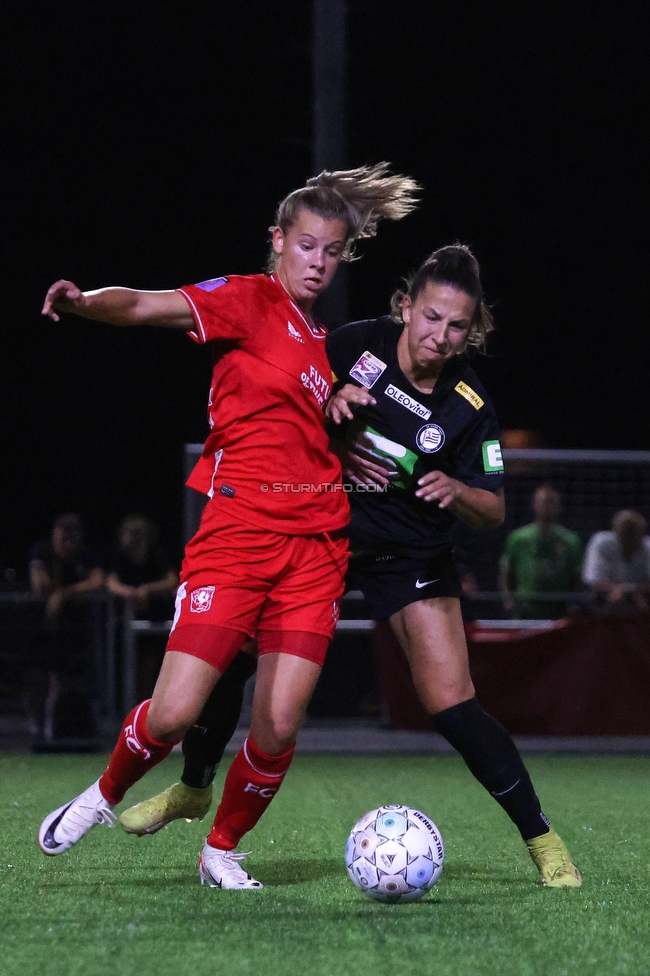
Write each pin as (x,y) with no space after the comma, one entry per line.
(359,197)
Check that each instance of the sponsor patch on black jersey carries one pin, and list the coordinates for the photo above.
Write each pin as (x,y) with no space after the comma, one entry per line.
(492,457)
(367,369)
(407,401)
(469,394)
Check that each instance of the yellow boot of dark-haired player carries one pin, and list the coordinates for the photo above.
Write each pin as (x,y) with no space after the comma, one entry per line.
(177,802)
(553,861)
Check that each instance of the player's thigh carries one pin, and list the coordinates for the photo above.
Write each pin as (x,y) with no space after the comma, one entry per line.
(183,686)
(284,686)
(432,636)
(307,597)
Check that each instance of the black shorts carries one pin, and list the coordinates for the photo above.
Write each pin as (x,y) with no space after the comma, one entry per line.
(390,581)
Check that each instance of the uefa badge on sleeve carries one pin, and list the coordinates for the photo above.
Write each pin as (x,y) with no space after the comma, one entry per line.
(211,284)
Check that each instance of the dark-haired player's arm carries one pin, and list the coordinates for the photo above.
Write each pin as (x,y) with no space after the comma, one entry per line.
(119,306)
(476,507)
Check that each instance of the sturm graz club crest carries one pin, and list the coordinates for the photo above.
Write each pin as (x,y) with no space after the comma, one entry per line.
(430,438)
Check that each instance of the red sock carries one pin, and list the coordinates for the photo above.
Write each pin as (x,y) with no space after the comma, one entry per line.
(252,781)
(134,755)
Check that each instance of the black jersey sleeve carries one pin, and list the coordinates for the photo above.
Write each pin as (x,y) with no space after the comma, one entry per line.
(477,458)
(345,345)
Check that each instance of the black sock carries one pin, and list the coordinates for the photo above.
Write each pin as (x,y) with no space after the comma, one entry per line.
(493,758)
(205,742)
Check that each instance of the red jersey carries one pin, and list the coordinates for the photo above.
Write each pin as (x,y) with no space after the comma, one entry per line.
(267,451)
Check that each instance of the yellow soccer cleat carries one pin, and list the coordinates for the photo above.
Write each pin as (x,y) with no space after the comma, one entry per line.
(553,861)
(176,802)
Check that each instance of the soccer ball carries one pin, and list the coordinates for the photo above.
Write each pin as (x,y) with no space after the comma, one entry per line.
(394,854)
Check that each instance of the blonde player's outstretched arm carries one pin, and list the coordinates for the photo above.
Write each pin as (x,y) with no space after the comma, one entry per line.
(119,306)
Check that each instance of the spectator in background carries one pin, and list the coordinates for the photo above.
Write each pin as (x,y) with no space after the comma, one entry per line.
(140,570)
(542,557)
(63,567)
(617,563)
(63,571)
(141,573)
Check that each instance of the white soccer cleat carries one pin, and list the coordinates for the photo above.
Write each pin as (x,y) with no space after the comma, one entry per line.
(64,827)
(222,869)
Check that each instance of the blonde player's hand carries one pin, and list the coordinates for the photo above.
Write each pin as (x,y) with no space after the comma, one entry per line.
(337,407)
(63,296)
(438,487)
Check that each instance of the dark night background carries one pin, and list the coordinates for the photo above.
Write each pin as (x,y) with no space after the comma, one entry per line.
(147,144)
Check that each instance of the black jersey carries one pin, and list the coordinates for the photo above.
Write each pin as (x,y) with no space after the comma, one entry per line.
(453,430)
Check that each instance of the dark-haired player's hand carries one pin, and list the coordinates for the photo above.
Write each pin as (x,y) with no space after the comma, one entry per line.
(63,296)
(477,507)
(337,407)
(438,487)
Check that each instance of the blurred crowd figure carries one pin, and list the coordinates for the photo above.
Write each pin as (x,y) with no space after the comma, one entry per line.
(62,566)
(63,571)
(541,557)
(140,570)
(617,563)
(141,574)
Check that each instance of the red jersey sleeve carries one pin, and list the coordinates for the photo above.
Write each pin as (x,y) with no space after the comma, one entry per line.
(221,308)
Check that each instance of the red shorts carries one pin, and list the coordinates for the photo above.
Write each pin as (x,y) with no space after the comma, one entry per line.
(238,578)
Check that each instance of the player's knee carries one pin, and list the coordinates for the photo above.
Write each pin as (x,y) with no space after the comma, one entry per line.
(170,725)
(439,699)
(285,731)
(281,730)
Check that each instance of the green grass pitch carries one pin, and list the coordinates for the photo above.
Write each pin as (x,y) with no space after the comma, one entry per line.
(129,906)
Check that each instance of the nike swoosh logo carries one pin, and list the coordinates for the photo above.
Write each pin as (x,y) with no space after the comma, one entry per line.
(418,585)
(49,840)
